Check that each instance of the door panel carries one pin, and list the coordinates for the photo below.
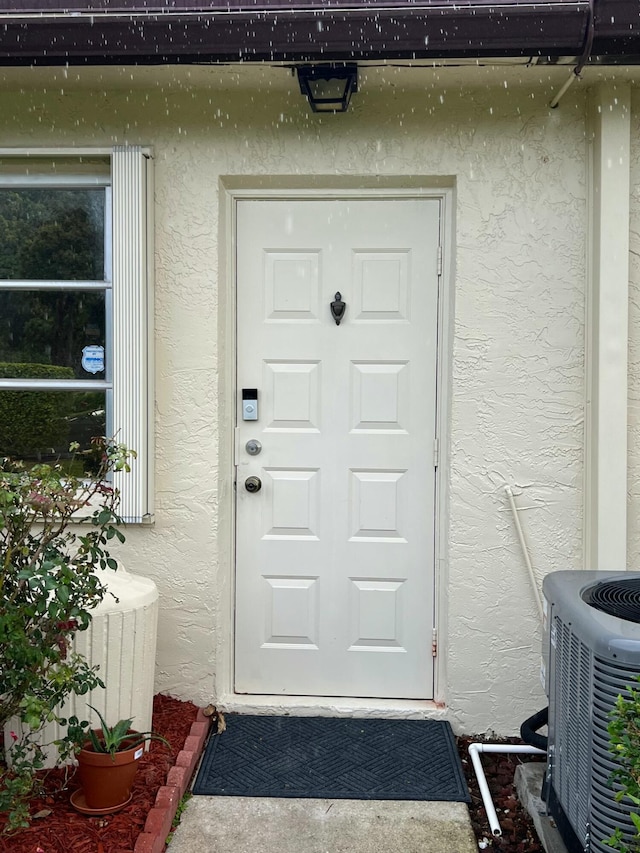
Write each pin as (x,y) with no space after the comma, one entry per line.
(335,553)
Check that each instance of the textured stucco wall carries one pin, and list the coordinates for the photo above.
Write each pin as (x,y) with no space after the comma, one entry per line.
(516,377)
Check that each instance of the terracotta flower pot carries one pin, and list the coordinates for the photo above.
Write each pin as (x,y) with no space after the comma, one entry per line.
(107,781)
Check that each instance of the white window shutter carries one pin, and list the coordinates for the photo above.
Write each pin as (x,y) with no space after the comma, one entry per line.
(132,420)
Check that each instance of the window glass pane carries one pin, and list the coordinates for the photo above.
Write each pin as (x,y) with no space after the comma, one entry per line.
(43,328)
(49,234)
(38,426)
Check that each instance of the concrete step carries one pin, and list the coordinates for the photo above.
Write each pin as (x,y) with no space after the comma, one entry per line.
(528,779)
(269,825)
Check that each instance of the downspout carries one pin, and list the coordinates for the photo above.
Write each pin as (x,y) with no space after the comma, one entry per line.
(586,53)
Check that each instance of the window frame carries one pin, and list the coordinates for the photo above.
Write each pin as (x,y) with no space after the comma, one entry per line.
(128,288)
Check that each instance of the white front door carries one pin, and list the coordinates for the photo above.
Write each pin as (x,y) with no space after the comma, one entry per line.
(335,552)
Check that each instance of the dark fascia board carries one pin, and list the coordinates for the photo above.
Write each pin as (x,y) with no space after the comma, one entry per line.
(54,32)
(145,8)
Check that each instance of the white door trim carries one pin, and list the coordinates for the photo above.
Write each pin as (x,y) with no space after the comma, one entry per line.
(233,190)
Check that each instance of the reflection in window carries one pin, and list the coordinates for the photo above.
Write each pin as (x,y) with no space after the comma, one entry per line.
(54,307)
(51,327)
(38,426)
(49,234)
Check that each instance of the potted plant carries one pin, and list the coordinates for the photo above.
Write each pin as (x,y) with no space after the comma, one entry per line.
(107,764)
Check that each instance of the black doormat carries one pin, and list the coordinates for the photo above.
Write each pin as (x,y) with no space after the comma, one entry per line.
(325,757)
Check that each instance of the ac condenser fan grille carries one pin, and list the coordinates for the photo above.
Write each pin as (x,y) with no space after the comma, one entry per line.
(619,598)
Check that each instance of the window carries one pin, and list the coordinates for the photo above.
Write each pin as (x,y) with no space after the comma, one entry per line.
(75,308)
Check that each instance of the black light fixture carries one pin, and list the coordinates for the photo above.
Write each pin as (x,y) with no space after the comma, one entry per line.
(328,88)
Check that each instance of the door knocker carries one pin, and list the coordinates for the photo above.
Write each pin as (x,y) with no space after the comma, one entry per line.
(338,308)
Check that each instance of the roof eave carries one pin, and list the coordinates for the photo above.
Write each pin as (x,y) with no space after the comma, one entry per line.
(447,30)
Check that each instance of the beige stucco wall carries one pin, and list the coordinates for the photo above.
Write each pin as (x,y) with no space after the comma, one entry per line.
(515,380)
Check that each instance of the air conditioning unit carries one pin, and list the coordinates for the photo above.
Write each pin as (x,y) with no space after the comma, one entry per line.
(591,653)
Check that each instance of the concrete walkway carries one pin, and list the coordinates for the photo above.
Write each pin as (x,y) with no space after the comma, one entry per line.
(265,825)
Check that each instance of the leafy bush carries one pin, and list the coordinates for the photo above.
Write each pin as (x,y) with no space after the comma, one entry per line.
(50,582)
(33,421)
(624,741)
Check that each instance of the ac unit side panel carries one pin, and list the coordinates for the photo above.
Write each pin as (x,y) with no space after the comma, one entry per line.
(570,725)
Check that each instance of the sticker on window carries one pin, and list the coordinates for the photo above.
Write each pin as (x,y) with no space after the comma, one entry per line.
(93,359)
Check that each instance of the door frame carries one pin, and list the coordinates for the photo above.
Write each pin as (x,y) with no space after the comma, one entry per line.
(233,190)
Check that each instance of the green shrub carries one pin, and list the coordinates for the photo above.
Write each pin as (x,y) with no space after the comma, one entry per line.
(624,742)
(33,422)
(50,583)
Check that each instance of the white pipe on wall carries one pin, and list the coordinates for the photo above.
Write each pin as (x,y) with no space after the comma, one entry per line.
(525,550)
(474,751)
(572,79)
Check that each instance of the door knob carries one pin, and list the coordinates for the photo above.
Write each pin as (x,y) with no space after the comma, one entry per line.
(253,484)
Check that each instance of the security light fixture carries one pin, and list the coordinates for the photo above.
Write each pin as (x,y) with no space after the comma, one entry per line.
(328,88)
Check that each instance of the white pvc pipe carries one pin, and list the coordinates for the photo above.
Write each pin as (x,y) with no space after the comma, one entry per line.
(525,550)
(572,79)
(474,751)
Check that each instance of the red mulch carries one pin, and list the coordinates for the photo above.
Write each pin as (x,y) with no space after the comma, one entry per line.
(518,832)
(64,830)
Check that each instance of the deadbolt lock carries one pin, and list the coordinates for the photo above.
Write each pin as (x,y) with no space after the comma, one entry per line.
(253,484)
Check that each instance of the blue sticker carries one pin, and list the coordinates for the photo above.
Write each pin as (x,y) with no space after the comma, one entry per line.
(93,359)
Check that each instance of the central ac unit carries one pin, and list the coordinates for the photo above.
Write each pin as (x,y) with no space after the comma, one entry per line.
(591,653)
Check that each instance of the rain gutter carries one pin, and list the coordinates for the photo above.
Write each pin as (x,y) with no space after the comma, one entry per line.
(78,32)
(89,32)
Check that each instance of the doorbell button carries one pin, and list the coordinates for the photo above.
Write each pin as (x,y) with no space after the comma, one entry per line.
(249,404)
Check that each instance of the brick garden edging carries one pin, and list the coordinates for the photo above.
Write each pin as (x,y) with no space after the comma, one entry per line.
(152,839)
